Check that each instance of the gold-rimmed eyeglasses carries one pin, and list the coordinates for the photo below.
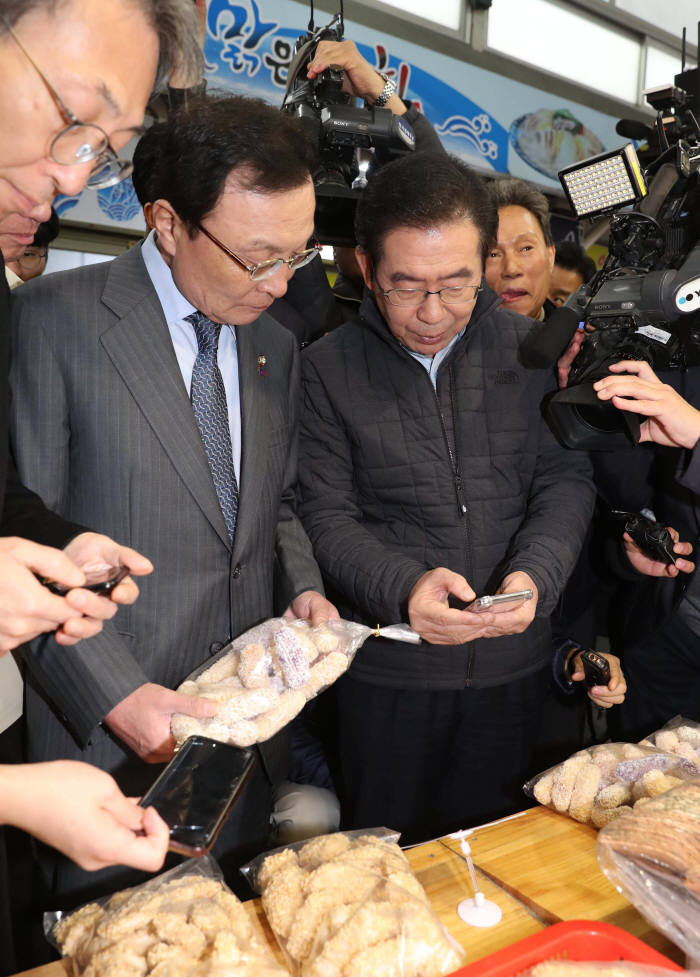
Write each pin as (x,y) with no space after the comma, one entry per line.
(263,269)
(81,142)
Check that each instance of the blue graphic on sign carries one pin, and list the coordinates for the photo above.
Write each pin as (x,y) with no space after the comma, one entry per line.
(120,201)
(63,203)
(235,32)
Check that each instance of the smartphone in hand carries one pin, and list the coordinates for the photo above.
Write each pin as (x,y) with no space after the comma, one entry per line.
(196,791)
(102,583)
(489,601)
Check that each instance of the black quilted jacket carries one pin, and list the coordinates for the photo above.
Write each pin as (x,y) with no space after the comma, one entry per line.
(396,480)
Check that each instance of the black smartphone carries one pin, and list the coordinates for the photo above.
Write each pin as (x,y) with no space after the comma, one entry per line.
(102,583)
(595,668)
(196,791)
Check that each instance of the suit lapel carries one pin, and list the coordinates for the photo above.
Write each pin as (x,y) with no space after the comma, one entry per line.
(141,350)
(253,444)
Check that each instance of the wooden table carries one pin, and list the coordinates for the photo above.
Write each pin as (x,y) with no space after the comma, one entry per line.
(539,867)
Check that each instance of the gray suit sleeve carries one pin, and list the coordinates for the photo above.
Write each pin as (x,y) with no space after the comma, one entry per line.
(295,567)
(85,681)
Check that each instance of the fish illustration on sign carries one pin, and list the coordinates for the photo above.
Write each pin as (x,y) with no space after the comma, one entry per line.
(548,140)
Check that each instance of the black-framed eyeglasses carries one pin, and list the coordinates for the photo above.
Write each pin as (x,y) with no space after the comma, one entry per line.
(263,269)
(82,142)
(450,295)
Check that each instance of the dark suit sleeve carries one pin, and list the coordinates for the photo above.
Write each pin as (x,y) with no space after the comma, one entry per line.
(295,567)
(23,512)
(83,682)
(25,515)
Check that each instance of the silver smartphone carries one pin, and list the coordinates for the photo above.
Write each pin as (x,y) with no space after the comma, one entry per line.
(491,600)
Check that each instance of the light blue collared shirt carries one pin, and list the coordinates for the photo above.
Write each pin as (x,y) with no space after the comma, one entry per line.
(432,363)
(175,307)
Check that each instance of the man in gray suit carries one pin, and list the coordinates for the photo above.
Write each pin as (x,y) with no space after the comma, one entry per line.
(154,397)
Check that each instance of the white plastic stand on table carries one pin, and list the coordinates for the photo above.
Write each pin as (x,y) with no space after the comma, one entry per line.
(478,911)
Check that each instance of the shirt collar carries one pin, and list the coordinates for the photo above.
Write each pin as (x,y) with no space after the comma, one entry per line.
(174,304)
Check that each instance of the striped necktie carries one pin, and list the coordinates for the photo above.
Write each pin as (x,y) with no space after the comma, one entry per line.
(208,398)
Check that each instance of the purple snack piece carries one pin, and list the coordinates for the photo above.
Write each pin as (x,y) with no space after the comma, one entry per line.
(630,771)
(292,658)
(687,767)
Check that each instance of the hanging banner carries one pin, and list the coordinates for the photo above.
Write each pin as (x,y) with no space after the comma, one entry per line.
(495,124)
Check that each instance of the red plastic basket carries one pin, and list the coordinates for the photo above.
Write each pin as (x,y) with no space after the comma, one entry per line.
(580,939)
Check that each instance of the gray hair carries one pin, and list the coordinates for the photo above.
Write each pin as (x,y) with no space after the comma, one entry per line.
(518,193)
(174,21)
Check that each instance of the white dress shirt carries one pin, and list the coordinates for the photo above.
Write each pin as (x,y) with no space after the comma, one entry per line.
(175,307)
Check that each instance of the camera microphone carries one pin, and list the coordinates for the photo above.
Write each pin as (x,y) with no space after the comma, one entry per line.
(546,341)
(632,129)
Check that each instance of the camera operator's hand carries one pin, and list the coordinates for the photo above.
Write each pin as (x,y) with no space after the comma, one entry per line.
(655,568)
(431,616)
(568,357)
(509,619)
(608,695)
(670,420)
(360,77)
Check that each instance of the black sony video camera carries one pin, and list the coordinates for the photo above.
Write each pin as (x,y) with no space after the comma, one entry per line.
(644,304)
(351,141)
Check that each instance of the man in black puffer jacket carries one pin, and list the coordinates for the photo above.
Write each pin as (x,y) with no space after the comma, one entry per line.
(427,476)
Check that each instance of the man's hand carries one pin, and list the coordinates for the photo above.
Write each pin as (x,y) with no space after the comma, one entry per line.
(94,553)
(27,608)
(360,80)
(654,568)
(142,720)
(608,695)
(509,619)
(81,811)
(435,621)
(568,357)
(670,420)
(312,607)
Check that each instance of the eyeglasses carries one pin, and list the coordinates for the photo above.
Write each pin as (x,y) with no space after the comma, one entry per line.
(451,295)
(31,260)
(82,142)
(266,268)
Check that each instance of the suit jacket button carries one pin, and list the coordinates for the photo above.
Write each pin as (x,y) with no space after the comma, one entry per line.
(215,647)
(236,572)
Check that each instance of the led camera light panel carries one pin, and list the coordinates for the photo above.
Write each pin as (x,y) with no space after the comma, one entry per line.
(604,183)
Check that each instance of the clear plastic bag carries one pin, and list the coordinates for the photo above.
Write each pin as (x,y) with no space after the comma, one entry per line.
(652,856)
(617,968)
(597,785)
(349,903)
(183,923)
(263,679)
(680,736)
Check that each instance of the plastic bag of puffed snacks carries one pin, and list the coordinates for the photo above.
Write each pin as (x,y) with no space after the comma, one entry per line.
(183,923)
(348,905)
(263,678)
(596,785)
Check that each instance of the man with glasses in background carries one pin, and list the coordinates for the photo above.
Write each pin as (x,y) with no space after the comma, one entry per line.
(24,261)
(428,477)
(152,394)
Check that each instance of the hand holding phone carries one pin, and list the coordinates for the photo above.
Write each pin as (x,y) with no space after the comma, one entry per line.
(595,668)
(494,601)
(101,582)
